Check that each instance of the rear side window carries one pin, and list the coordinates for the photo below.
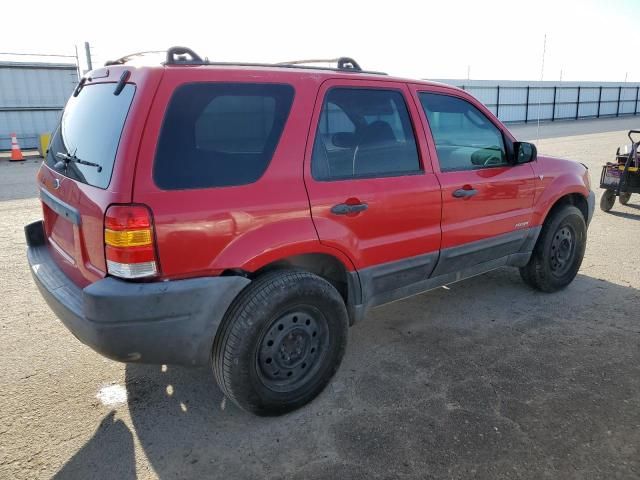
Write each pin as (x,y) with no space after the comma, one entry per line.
(364,133)
(465,138)
(220,134)
(89,131)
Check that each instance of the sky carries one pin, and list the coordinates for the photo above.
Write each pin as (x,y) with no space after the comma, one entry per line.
(586,40)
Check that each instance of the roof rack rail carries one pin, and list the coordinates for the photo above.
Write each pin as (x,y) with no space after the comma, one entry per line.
(174,56)
(183,56)
(343,63)
(126,58)
(186,56)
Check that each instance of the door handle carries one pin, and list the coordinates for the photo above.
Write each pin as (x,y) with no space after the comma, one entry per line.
(346,209)
(464,193)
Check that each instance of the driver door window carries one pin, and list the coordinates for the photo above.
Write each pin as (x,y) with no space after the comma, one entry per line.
(464,137)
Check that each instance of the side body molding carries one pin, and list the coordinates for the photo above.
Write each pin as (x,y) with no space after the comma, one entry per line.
(393,281)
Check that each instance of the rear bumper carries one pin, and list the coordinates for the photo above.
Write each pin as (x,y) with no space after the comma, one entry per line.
(172,322)
(591,206)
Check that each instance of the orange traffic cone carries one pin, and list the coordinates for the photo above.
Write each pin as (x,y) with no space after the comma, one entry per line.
(16,153)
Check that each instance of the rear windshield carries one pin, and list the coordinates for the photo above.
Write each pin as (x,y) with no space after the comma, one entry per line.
(89,131)
(220,134)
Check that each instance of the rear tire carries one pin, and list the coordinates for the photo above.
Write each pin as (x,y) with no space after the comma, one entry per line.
(559,251)
(281,341)
(624,198)
(608,200)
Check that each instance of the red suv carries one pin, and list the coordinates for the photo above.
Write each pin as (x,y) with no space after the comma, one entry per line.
(243,216)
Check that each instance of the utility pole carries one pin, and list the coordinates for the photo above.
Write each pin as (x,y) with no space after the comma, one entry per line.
(77,63)
(544,51)
(87,50)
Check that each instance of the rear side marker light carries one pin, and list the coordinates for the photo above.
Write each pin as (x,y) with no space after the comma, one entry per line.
(129,242)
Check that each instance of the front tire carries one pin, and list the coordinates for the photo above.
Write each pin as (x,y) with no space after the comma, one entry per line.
(559,251)
(280,342)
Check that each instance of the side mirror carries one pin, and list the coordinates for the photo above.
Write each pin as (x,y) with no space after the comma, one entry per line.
(525,152)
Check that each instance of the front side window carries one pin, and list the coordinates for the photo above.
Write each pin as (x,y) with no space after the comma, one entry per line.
(465,139)
(364,133)
(220,134)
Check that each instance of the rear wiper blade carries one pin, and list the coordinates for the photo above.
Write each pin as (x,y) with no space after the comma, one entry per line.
(66,158)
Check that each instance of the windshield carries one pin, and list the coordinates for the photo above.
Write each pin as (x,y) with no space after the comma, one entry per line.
(90,130)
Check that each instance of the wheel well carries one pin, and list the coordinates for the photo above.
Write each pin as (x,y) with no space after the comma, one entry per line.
(323,265)
(575,199)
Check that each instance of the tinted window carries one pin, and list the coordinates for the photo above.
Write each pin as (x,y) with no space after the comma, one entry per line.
(363,133)
(465,139)
(220,134)
(90,129)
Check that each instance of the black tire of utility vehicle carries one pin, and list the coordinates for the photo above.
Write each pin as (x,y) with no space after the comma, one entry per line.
(559,251)
(607,200)
(624,198)
(281,341)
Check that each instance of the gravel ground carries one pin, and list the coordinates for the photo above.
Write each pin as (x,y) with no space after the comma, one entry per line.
(485,379)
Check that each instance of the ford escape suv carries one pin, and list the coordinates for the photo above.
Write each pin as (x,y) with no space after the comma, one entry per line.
(242,216)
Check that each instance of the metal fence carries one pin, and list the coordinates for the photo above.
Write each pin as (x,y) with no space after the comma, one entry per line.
(515,101)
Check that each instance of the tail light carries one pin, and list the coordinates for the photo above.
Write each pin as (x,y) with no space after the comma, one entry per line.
(129,242)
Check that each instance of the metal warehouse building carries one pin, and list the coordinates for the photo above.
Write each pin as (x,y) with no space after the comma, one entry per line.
(32,96)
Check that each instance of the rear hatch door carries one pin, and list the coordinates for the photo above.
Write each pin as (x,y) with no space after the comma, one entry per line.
(89,166)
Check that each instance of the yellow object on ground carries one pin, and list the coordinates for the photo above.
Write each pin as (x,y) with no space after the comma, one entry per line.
(43,146)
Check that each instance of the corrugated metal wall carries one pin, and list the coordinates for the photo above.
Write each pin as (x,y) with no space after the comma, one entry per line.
(519,101)
(32,96)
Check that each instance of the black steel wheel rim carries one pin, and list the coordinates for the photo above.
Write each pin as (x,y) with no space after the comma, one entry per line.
(563,249)
(292,349)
